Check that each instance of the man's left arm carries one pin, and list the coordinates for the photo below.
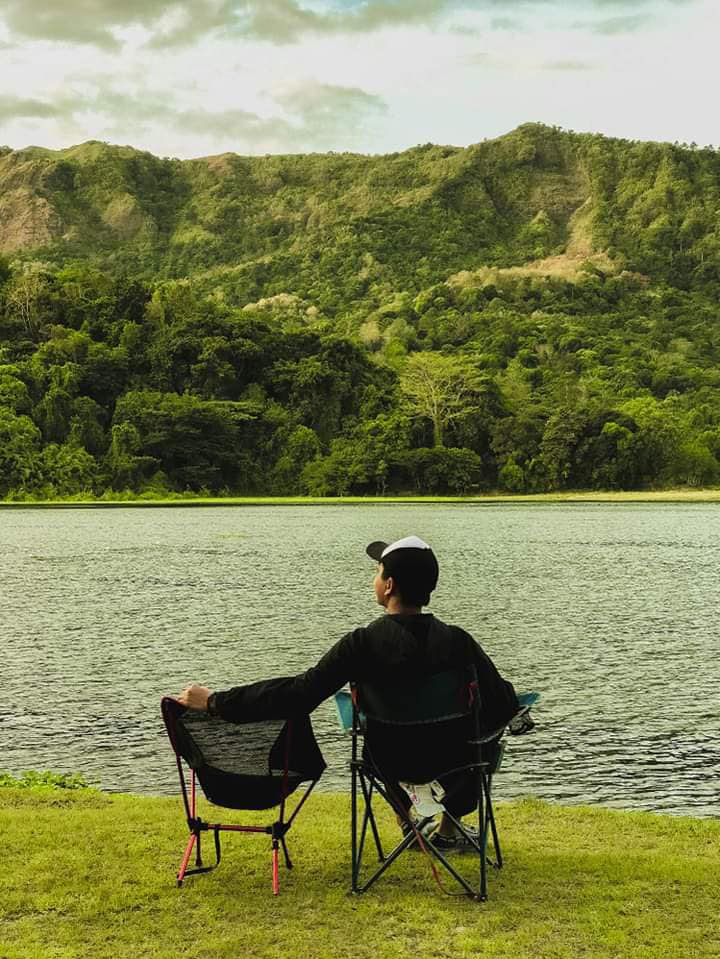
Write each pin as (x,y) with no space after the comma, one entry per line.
(499,702)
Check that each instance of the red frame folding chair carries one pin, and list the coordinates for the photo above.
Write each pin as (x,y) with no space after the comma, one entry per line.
(282,756)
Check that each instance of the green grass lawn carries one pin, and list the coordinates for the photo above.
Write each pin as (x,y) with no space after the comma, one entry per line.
(626,496)
(91,876)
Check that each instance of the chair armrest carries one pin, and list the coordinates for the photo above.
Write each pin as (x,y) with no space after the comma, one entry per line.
(344,707)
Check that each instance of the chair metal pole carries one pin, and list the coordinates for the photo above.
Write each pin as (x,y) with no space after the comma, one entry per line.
(373,824)
(482,832)
(288,860)
(403,845)
(186,858)
(275,868)
(353,826)
(355,866)
(490,816)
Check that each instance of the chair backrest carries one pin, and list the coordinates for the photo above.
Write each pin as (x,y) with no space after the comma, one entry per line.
(420,700)
(244,766)
(421,727)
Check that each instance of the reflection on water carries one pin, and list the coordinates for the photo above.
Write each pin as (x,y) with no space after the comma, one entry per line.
(611,611)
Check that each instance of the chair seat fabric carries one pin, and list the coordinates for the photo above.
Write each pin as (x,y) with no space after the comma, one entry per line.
(233,791)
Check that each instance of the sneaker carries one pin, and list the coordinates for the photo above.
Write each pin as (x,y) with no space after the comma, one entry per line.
(458,842)
(471,831)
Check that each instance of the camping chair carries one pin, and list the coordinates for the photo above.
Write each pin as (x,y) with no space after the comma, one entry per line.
(417,731)
(241,766)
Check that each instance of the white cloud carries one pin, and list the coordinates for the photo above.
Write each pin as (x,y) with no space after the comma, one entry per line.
(480,71)
(184,22)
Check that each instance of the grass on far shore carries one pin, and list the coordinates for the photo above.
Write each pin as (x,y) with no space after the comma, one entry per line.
(91,876)
(86,500)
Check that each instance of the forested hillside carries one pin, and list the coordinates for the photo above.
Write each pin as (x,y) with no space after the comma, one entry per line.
(531,313)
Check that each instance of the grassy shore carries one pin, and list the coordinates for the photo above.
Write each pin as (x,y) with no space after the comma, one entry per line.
(90,875)
(647,496)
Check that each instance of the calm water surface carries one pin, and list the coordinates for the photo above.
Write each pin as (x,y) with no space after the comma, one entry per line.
(611,611)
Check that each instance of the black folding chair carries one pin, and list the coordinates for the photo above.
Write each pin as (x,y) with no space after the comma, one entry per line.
(417,731)
(241,766)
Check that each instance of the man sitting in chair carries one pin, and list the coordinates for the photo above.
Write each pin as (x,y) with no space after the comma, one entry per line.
(403,643)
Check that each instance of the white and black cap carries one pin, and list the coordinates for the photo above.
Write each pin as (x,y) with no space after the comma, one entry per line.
(378,550)
(411,563)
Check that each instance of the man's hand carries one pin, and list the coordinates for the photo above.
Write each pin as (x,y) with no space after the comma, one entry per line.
(194,696)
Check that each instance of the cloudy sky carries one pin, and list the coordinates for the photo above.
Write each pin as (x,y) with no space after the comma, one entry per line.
(199,77)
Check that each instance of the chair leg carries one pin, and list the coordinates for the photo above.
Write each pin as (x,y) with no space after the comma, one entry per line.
(186,858)
(490,818)
(373,826)
(194,842)
(217,846)
(408,840)
(368,817)
(482,827)
(471,892)
(275,868)
(361,841)
(288,860)
(353,828)
(387,862)
(401,847)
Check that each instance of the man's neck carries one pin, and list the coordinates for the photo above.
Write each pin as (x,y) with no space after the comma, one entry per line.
(396,607)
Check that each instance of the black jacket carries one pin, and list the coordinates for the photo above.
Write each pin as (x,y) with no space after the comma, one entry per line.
(393,645)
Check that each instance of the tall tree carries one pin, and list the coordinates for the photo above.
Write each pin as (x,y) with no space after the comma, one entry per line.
(441,388)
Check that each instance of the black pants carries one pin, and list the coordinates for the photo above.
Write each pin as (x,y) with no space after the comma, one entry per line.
(434,750)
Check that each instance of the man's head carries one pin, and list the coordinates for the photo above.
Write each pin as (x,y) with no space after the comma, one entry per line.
(407,570)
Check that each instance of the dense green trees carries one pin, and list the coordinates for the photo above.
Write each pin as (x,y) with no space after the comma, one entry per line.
(599,383)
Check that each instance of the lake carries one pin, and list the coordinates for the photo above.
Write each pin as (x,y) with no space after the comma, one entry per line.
(610,611)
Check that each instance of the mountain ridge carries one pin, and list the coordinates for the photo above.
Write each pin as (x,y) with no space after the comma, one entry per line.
(421,214)
(98,200)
